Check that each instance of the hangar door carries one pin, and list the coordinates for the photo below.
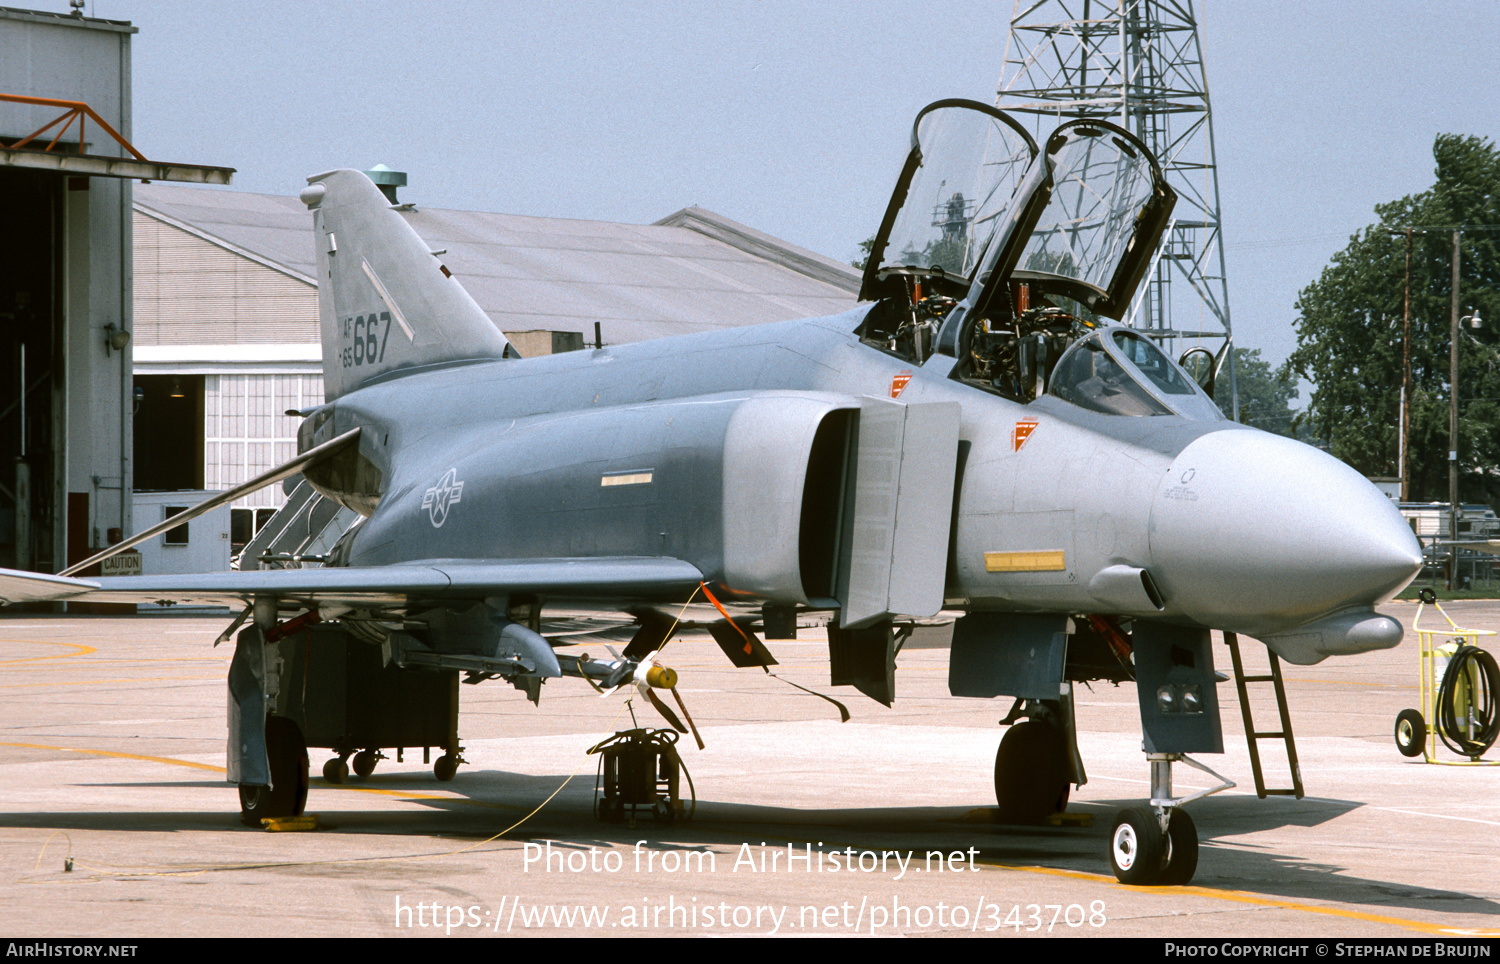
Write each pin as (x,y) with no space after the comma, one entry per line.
(31,337)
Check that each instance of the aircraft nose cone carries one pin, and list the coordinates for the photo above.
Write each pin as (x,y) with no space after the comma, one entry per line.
(1257,533)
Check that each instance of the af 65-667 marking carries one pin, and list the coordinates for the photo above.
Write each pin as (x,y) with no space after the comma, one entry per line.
(364,339)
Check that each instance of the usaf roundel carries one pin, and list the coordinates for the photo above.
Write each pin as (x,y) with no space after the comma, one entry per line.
(437,499)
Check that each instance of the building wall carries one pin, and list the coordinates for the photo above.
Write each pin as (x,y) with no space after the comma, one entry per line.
(215,305)
(206,548)
(189,291)
(246,431)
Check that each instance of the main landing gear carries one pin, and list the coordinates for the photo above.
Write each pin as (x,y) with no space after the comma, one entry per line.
(1031,773)
(1038,762)
(1158,845)
(287,795)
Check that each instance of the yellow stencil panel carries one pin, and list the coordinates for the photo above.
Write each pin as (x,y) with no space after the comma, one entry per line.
(634,478)
(1048,560)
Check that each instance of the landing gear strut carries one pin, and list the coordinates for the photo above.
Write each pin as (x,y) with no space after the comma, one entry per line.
(287,796)
(1159,844)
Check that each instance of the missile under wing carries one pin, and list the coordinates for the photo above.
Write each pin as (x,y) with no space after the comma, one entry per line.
(978,441)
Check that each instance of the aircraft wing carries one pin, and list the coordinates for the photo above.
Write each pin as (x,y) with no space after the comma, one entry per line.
(635,578)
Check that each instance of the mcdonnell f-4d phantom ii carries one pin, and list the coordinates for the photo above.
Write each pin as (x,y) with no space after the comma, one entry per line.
(975,438)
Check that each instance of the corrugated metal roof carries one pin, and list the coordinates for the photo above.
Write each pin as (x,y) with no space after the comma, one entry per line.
(693,271)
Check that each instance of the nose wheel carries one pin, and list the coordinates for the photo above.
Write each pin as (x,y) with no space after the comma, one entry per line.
(1140,852)
(1158,845)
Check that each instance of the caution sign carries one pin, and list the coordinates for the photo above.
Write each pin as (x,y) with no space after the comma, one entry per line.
(899,381)
(127,563)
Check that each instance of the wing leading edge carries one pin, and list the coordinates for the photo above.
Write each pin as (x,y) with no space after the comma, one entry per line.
(633,578)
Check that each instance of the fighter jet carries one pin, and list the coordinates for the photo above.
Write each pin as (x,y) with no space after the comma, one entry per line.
(976,439)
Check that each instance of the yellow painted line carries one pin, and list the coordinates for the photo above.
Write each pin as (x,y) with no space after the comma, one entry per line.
(404,794)
(123,756)
(78,650)
(415,795)
(91,682)
(1050,560)
(1240,897)
(1348,682)
(166,659)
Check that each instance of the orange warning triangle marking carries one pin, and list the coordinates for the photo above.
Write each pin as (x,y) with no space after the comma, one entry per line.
(1022,432)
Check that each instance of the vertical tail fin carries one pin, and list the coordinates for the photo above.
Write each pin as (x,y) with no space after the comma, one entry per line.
(384,302)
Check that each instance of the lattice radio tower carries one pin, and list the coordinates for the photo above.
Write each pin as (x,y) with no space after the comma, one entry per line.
(1138,63)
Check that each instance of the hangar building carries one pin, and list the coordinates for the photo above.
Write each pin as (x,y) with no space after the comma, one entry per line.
(66,162)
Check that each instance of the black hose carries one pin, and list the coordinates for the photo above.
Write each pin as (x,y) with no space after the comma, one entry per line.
(1481,703)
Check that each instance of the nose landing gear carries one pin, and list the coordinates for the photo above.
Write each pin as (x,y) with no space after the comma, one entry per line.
(1158,845)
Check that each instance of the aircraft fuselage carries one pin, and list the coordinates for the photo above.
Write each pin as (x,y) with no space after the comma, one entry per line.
(621,451)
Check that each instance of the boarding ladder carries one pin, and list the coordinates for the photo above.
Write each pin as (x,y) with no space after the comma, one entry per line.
(1252,735)
(301,532)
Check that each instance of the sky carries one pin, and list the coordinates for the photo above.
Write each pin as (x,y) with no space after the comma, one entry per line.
(792,118)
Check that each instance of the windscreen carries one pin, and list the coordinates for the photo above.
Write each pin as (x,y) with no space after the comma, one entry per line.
(1152,363)
(971,164)
(1127,374)
(1088,377)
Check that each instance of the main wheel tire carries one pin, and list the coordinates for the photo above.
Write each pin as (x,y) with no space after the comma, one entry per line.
(1182,849)
(1411,732)
(1031,773)
(255,805)
(287,796)
(364,763)
(1136,847)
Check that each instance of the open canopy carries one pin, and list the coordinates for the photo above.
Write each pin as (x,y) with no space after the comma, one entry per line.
(978,206)
(959,180)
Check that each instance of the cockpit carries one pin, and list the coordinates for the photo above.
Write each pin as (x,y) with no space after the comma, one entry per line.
(1010,257)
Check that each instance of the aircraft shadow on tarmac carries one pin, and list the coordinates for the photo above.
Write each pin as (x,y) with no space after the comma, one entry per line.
(472,807)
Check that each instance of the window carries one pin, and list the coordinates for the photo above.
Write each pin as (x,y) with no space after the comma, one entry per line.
(177,535)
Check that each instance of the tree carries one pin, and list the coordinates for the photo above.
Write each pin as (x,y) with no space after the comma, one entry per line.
(865,246)
(1265,395)
(1349,331)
